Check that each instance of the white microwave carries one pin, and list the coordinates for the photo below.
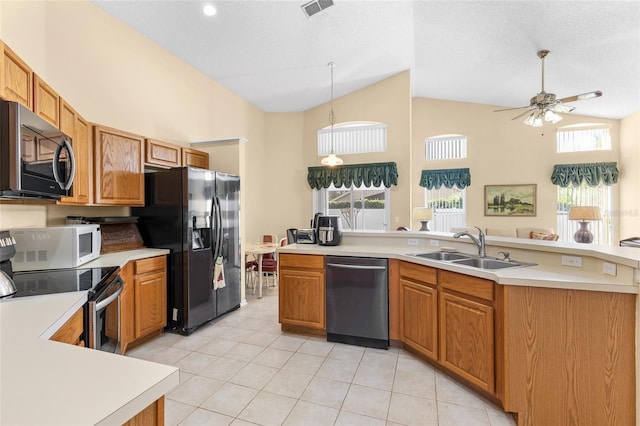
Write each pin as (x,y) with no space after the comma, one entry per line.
(55,247)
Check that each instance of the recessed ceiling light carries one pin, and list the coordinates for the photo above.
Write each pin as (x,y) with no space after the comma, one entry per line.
(209,10)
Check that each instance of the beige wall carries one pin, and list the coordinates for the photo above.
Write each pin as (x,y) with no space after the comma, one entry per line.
(629,212)
(500,151)
(389,102)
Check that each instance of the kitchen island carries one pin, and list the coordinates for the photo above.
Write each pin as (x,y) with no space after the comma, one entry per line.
(552,343)
(43,382)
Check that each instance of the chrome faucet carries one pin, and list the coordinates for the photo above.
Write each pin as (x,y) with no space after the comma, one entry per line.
(478,241)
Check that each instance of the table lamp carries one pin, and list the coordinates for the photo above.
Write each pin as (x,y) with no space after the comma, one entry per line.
(424,215)
(583,214)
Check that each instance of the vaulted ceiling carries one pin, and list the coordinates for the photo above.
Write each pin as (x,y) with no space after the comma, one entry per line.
(275,56)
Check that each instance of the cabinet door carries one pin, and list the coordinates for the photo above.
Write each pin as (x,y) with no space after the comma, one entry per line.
(127,312)
(162,154)
(16,78)
(119,172)
(73,125)
(419,317)
(195,158)
(46,102)
(302,298)
(71,331)
(150,302)
(467,339)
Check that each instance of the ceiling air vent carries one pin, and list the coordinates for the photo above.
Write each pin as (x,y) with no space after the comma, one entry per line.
(316,6)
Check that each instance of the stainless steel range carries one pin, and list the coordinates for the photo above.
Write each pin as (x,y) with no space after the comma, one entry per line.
(102,310)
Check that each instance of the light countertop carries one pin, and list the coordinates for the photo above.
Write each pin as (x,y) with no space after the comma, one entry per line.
(547,273)
(43,382)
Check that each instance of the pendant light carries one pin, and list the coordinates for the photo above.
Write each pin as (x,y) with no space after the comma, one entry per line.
(332,160)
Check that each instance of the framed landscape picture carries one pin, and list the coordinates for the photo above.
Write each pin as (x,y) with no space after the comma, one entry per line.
(510,200)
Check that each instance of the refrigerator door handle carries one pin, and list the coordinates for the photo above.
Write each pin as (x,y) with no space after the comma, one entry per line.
(219,220)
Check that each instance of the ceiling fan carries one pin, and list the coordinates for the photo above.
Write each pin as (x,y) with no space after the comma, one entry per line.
(545,106)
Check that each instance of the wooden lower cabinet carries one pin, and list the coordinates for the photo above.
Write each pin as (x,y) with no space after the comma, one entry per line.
(153,415)
(467,344)
(570,356)
(143,302)
(302,292)
(419,309)
(71,331)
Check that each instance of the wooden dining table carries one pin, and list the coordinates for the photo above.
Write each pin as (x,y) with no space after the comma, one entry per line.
(259,250)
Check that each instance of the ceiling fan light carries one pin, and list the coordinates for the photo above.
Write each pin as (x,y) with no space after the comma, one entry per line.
(331,160)
(551,116)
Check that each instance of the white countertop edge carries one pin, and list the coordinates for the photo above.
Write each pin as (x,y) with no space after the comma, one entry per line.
(145,399)
(629,256)
(545,276)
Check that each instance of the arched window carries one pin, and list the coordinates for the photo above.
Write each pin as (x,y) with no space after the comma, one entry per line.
(353,138)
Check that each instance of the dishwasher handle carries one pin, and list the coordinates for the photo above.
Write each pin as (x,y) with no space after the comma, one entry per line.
(366,267)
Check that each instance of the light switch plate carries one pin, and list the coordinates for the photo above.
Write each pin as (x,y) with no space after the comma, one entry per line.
(609,268)
(572,261)
(434,243)
(412,241)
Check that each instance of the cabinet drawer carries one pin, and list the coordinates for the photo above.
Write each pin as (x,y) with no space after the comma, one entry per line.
(421,273)
(150,264)
(473,286)
(305,261)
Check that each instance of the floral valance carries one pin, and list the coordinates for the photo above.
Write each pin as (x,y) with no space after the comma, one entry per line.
(434,179)
(372,174)
(591,173)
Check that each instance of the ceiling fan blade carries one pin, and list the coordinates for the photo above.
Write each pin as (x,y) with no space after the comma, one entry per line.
(589,95)
(560,108)
(520,115)
(511,109)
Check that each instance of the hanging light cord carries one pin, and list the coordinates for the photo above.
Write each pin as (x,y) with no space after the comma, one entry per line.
(332,118)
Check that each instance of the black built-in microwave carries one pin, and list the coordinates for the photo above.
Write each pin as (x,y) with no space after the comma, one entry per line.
(36,159)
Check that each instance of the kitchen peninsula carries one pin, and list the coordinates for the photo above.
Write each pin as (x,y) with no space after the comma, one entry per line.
(552,343)
(52,383)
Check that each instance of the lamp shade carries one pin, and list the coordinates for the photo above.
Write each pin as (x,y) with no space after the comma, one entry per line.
(422,213)
(584,213)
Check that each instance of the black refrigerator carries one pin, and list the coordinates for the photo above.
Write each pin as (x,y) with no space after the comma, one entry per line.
(195,214)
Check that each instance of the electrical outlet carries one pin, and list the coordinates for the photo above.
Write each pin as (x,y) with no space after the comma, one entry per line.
(609,268)
(572,261)
(434,243)
(175,314)
(412,241)
(396,220)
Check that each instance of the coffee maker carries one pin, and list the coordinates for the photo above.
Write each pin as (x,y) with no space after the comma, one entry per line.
(328,230)
(7,251)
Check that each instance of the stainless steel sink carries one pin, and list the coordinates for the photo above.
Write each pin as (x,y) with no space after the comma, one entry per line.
(442,255)
(488,263)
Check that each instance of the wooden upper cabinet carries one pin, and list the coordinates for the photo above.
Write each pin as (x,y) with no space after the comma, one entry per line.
(162,154)
(194,158)
(46,102)
(118,167)
(16,78)
(78,129)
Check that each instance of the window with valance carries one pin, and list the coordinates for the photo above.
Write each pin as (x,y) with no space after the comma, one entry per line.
(373,174)
(592,174)
(434,179)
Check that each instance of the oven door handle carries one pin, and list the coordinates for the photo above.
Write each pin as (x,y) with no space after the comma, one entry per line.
(103,303)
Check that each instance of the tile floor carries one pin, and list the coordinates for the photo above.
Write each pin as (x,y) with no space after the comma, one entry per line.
(242,370)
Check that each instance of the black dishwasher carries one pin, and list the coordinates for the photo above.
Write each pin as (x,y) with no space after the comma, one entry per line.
(357,301)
